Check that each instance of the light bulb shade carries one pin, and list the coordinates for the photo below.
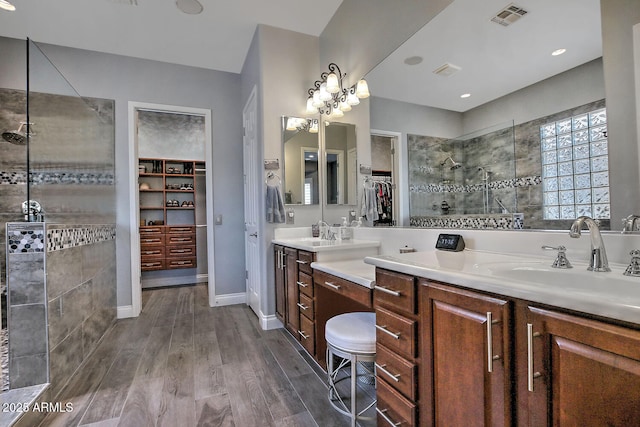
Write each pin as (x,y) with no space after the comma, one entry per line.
(292,123)
(352,99)
(316,99)
(4,4)
(344,106)
(324,93)
(333,86)
(336,111)
(311,109)
(314,126)
(362,89)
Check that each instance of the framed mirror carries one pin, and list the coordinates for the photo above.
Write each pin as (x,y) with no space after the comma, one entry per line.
(340,155)
(301,166)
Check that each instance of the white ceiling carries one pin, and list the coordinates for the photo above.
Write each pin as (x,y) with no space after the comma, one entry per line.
(218,38)
(495,60)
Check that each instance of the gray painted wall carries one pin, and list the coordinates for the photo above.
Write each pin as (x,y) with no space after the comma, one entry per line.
(127,79)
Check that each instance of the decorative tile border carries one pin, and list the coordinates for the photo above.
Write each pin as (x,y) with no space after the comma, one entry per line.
(57,177)
(25,237)
(494,185)
(495,221)
(64,237)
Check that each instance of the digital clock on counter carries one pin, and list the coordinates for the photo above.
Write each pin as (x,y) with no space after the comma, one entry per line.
(450,242)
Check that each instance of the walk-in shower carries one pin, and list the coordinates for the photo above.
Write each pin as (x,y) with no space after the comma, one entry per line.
(18,136)
(454,165)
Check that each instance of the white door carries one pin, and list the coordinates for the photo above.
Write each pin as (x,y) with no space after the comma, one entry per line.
(251,203)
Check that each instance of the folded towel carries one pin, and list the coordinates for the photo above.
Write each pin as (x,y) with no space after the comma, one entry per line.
(369,208)
(275,206)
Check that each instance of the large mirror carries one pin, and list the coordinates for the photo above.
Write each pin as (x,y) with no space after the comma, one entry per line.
(301,166)
(492,71)
(340,163)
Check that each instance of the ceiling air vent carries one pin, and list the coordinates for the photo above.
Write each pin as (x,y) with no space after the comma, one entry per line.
(509,15)
(447,69)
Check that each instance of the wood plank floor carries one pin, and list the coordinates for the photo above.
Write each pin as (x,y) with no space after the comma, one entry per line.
(182,363)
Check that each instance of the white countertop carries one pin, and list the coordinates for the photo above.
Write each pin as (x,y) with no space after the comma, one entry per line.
(610,294)
(356,271)
(315,244)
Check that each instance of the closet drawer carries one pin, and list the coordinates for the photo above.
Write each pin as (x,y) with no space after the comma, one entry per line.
(340,286)
(149,252)
(304,262)
(181,239)
(307,335)
(306,306)
(156,229)
(181,262)
(181,251)
(180,229)
(151,240)
(149,265)
(397,372)
(305,284)
(392,408)
(396,332)
(395,290)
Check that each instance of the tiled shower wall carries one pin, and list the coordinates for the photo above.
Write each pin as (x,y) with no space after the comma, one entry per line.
(516,182)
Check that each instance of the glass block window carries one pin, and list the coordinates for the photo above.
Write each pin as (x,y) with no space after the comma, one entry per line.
(575,167)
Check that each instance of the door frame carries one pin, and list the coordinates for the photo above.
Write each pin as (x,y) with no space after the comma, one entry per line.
(134,213)
(399,176)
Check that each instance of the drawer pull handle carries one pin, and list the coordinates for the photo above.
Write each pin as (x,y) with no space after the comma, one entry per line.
(174,230)
(386,331)
(302,306)
(301,262)
(302,334)
(383,414)
(332,285)
(302,284)
(382,369)
(151,240)
(530,374)
(184,239)
(387,291)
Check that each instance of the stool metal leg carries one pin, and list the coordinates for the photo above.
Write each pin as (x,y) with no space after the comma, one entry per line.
(354,392)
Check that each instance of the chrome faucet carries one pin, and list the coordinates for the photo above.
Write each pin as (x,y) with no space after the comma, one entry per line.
(630,223)
(598,258)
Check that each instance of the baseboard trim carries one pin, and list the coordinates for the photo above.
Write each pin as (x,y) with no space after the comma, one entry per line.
(270,322)
(174,281)
(125,311)
(231,299)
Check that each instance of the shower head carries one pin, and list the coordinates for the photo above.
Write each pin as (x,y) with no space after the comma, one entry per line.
(17,137)
(454,165)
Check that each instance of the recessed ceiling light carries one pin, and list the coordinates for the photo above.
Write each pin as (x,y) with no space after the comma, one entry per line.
(413,60)
(465,95)
(558,52)
(4,4)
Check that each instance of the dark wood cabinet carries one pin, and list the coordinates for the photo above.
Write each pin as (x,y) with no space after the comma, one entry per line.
(466,348)
(574,371)
(292,314)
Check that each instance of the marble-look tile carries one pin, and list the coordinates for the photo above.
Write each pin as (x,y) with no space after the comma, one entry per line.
(26,279)
(27,330)
(28,370)
(68,311)
(95,326)
(64,271)
(65,359)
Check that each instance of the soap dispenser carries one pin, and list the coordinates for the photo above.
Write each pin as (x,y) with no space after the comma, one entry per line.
(345,230)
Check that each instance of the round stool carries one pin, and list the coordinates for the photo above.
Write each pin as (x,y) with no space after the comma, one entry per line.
(351,337)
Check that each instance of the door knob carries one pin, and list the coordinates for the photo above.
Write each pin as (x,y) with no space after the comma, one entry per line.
(253,234)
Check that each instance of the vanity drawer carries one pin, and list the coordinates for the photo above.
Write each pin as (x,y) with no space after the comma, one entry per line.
(395,290)
(306,306)
(181,251)
(151,240)
(149,265)
(181,262)
(180,229)
(145,231)
(392,408)
(340,286)
(398,372)
(304,262)
(396,332)
(149,252)
(305,284)
(181,239)
(306,334)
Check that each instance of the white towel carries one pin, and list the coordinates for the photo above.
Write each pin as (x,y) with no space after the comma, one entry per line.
(369,208)
(275,206)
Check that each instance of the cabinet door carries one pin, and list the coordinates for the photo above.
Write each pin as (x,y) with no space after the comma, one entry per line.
(467,339)
(278,256)
(583,372)
(291,274)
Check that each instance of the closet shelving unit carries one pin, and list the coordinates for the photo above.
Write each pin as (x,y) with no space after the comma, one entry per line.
(167,213)
(384,176)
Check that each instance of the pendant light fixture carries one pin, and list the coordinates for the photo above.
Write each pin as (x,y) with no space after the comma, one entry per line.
(6,5)
(327,96)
